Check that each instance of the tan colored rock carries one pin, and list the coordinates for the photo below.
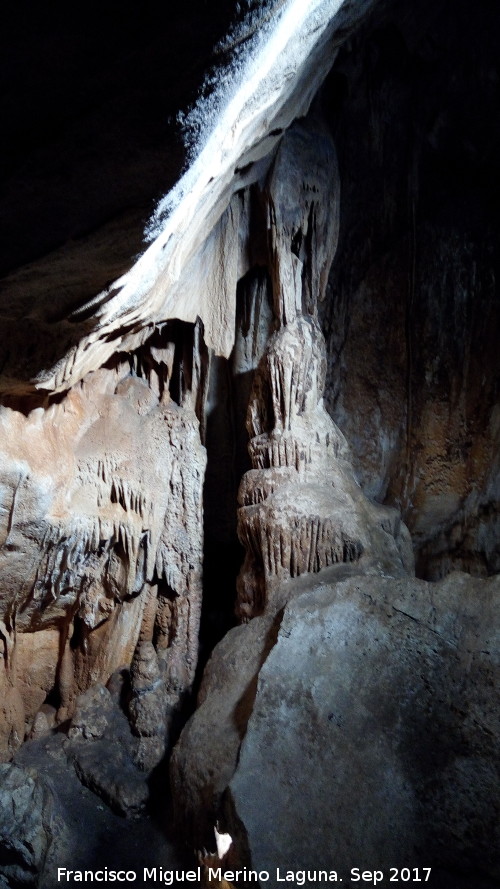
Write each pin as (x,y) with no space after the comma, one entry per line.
(43,722)
(36,659)
(12,719)
(301,509)
(102,496)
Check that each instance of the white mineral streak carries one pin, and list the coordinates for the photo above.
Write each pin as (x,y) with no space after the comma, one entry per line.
(275,83)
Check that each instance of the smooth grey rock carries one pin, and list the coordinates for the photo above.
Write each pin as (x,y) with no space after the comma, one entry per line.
(372,740)
(205,757)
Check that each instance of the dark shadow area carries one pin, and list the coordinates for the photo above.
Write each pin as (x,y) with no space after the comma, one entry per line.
(413,311)
(88,101)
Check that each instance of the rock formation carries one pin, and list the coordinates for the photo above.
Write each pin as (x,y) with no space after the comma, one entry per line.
(237,430)
(101,540)
(26,824)
(403,770)
(301,509)
(415,293)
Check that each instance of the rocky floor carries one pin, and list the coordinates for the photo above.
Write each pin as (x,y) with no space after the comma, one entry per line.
(85,834)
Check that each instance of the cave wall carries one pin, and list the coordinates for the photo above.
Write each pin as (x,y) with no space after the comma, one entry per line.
(346,276)
(408,311)
(102,534)
(412,313)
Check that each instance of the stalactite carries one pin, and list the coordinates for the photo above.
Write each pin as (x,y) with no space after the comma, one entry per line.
(120,514)
(300,508)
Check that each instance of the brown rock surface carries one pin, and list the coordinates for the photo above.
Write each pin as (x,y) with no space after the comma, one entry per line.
(412,315)
(102,496)
(371,375)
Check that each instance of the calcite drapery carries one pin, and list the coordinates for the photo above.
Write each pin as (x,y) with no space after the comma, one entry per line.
(101,539)
(301,509)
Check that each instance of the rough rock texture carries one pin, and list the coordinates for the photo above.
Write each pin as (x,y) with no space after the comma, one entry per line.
(26,827)
(102,538)
(98,727)
(349,675)
(77,830)
(148,706)
(301,509)
(376,736)
(412,315)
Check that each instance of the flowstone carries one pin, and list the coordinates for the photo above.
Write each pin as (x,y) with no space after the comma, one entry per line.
(101,539)
(301,509)
(302,515)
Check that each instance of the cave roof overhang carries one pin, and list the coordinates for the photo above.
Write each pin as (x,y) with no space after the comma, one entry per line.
(268,84)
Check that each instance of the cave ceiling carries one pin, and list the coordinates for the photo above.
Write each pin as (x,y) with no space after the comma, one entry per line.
(92,147)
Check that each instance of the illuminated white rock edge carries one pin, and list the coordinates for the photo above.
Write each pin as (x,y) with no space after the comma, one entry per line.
(272,85)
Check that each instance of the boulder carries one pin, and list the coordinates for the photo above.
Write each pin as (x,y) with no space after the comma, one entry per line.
(25,825)
(371,741)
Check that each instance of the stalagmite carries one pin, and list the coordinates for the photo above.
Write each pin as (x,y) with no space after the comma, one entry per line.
(301,509)
(194,440)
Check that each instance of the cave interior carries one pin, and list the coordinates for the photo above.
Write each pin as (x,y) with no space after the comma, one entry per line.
(250,440)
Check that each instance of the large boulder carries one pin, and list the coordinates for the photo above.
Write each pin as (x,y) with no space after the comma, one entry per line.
(373,737)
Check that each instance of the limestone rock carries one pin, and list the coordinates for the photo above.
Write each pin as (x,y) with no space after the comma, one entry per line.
(354,712)
(148,706)
(25,825)
(93,714)
(103,752)
(86,833)
(258,98)
(107,770)
(12,721)
(412,314)
(300,507)
(102,507)
(372,736)
(43,722)
(205,757)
